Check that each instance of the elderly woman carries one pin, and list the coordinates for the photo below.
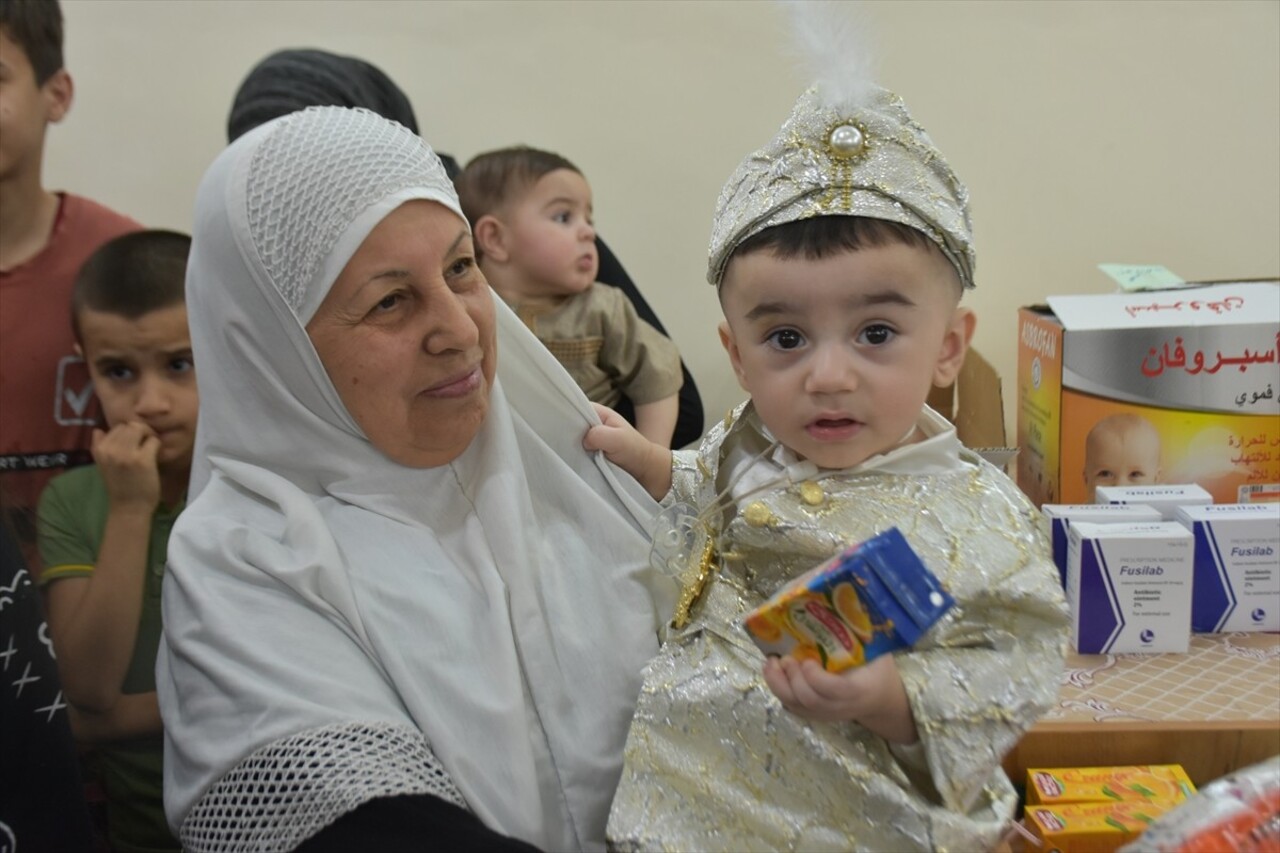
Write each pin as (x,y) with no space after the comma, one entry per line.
(402,602)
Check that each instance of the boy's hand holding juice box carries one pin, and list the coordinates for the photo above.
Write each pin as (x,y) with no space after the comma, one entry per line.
(869,599)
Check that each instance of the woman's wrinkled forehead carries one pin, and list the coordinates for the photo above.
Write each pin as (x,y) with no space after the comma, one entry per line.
(319,182)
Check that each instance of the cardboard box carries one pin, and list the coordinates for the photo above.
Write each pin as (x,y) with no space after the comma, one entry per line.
(1129,587)
(975,404)
(1185,382)
(1107,784)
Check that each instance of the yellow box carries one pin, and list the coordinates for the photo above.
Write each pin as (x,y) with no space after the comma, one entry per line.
(1092,827)
(1055,785)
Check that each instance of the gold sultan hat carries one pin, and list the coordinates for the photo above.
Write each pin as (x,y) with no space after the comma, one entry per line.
(850,148)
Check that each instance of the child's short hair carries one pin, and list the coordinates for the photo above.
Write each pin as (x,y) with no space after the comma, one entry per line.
(36,27)
(821,237)
(494,177)
(132,275)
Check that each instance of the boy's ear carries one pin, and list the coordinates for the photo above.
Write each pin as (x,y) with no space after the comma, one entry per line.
(730,345)
(491,238)
(955,343)
(58,92)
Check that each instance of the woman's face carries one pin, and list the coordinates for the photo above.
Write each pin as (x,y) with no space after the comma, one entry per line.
(406,334)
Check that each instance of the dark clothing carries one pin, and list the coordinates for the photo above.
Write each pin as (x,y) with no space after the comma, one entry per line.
(41,795)
(412,822)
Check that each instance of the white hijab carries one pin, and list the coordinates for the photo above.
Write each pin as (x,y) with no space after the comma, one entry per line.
(501,605)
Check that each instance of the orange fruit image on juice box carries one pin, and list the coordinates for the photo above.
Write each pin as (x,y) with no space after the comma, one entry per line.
(808,625)
(1103,784)
(1092,827)
(850,607)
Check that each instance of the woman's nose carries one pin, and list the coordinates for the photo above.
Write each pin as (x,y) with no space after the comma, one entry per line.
(450,325)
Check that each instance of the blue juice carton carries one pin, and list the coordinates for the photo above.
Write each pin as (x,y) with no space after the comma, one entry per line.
(869,599)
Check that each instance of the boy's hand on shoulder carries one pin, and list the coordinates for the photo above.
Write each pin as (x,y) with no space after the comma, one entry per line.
(126,456)
(872,694)
(624,446)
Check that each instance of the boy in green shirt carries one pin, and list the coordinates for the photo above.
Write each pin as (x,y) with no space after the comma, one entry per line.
(104,528)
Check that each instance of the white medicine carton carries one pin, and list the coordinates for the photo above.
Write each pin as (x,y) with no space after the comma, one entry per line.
(1166,499)
(1237,567)
(1062,516)
(1129,587)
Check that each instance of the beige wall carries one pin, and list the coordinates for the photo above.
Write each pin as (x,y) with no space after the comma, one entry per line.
(1088,132)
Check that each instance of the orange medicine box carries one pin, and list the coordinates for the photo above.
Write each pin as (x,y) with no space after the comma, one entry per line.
(1107,784)
(1181,385)
(1092,827)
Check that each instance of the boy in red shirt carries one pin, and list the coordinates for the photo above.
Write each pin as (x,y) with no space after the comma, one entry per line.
(47,411)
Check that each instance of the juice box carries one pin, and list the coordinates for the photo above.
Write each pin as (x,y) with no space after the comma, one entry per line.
(869,599)
(1108,784)
(1092,827)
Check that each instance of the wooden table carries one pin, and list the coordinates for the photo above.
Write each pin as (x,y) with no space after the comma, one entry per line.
(1212,710)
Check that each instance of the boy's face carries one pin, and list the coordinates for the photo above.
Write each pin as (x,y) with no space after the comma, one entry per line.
(1121,456)
(549,237)
(25,107)
(142,371)
(839,354)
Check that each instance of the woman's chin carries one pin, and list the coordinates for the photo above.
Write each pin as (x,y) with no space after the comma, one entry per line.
(436,439)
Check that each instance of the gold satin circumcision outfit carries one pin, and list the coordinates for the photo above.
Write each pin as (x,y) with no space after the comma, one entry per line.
(714,762)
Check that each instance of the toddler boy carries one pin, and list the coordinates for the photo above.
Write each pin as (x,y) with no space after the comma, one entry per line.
(104,528)
(840,251)
(531,213)
(1121,450)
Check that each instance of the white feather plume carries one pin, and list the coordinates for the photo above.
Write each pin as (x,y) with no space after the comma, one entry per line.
(832,43)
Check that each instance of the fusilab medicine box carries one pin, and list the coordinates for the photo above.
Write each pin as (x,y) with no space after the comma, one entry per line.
(1129,587)
(1061,516)
(1237,567)
(1165,499)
